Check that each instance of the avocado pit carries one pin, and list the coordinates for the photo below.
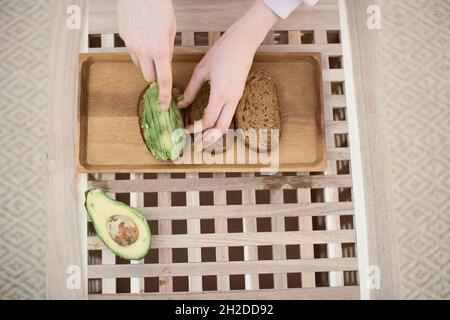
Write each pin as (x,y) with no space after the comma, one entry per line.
(122,230)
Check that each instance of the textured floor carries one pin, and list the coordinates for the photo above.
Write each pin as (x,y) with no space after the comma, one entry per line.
(416,63)
(24,43)
(416,50)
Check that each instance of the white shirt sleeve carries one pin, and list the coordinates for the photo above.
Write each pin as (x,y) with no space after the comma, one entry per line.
(283,8)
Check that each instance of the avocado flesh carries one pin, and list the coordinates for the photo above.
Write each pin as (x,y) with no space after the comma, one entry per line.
(159,126)
(102,210)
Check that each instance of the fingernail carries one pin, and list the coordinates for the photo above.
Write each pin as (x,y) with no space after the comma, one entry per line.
(164,106)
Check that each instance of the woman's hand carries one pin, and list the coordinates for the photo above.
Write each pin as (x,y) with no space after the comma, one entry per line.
(148,28)
(227,65)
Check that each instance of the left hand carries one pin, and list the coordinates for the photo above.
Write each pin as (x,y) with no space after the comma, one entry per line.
(226,66)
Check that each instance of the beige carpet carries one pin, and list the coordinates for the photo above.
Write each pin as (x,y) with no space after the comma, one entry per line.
(416,50)
(24,43)
(416,54)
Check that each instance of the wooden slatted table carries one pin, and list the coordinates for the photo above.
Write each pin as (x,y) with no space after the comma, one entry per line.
(220,235)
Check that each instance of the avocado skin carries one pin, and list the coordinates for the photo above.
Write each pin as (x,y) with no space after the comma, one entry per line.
(106,237)
(157,126)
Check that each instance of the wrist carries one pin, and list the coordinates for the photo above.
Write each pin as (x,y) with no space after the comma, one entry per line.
(259,20)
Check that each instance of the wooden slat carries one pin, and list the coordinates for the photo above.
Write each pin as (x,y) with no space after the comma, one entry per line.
(109,285)
(137,285)
(213,37)
(107,40)
(94,285)
(334,100)
(306,250)
(218,16)
(320,36)
(164,229)
(109,258)
(193,228)
(243,239)
(187,38)
(279,251)
(368,125)
(335,127)
(334,250)
(304,197)
(338,153)
(66,218)
(238,211)
(333,74)
(294,37)
(212,184)
(249,226)
(343,293)
(220,268)
(220,226)
(326,50)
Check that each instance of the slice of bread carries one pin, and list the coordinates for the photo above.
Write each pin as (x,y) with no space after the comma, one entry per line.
(196,112)
(258,109)
(176,94)
(141,112)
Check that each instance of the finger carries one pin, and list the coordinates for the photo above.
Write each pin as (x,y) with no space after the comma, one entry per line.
(210,115)
(222,125)
(134,57)
(148,69)
(226,117)
(209,138)
(164,76)
(196,82)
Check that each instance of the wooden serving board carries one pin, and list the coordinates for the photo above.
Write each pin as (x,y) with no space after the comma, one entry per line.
(109,138)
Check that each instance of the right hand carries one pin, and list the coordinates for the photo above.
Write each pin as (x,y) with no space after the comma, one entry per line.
(148,28)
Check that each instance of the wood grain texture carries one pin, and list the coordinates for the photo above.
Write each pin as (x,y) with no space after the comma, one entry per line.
(66,225)
(193,227)
(222,211)
(242,239)
(249,226)
(110,139)
(164,228)
(329,49)
(109,285)
(216,15)
(220,268)
(305,223)
(278,225)
(220,226)
(343,293)
(371,167)
(212,184)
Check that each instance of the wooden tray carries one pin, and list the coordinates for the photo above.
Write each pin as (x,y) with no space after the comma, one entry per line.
(108,130)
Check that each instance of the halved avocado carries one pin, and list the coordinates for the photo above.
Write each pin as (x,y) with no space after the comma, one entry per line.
(123,229)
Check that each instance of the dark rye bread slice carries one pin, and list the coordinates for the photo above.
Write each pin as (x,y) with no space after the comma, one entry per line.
(196,112)
(140,112)
(176,94)
(258,109)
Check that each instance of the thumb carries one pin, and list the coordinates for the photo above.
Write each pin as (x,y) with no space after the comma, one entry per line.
(194,86)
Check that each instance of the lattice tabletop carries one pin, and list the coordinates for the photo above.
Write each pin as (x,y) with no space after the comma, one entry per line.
(234,235)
